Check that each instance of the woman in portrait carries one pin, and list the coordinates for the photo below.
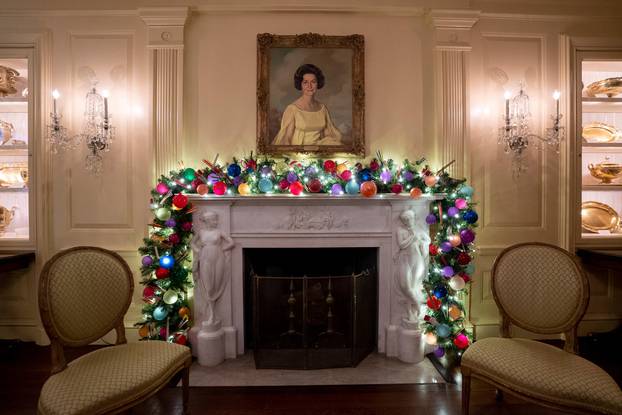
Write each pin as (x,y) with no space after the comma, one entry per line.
(306,121)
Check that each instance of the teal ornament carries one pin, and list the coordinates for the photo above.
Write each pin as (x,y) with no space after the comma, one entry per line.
(160,313)
(352,187)
(265,185)
(466,191)
(469,269)
(163,213)
(189,174)
(442,330)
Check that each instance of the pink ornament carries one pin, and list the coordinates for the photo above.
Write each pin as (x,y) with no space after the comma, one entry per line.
(396,188)
(174,238)
(163,332)
(430,180)
(219,188)
(346,175)
(461,341)
(454,240)
(283,184)
(461,203)
(186,226)
(162,188)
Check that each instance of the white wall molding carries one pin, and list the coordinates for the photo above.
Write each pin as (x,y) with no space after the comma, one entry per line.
(166,42)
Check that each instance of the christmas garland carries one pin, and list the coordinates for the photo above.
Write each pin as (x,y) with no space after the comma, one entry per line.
(166,253)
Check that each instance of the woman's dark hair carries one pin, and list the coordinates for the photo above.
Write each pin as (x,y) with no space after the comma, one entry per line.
(305,69)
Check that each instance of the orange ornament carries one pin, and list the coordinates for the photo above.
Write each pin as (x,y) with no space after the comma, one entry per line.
(430,180)
(143,331)
(368,189)
(202,189)
(416,193)
(183,311)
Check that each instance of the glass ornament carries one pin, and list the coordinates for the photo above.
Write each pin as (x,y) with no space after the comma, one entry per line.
(461,204)
(147,260)
(162,188)
(202,189)
(430,338)
(234,170)
(467,236)
(442,330)
(448,271)
(352,187)
(430,181)
(170,297)
(167,261)
(160,313)
(244,189)
(265,185)
(369,189)
(189,174)
(430,219)
(456,283)
(296,188)
(163,213)
(219,188)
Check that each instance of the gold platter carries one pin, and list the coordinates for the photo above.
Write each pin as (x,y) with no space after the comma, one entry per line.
(610,87)
(598,132)
(596,216)
(6,216)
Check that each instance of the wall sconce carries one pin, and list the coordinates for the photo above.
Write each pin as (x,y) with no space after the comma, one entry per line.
(515,133)
(97,131)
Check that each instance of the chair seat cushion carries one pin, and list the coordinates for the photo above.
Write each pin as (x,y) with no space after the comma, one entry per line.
(544,372)
(111,377)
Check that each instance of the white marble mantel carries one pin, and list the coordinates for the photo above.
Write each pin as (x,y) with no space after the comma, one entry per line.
(312,221)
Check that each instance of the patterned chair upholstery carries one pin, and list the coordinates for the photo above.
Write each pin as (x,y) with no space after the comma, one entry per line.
(540,288)
(84,292)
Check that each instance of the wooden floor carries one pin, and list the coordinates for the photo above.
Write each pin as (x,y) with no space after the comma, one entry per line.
(24,368)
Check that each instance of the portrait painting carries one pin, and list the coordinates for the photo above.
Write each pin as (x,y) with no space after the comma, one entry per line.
(310,94)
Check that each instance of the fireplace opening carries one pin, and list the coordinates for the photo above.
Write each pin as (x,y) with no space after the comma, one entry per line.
(310,308)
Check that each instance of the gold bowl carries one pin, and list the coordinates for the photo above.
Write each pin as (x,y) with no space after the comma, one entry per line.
(598,132)
(610,87)
(605,171)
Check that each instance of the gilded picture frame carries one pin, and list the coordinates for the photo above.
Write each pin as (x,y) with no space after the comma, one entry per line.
(335,122)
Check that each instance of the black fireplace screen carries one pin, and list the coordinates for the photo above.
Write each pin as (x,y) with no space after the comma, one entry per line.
(314,321)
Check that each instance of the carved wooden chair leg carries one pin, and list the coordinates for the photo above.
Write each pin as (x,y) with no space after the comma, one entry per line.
(185,386)
(498,395)
(466,390)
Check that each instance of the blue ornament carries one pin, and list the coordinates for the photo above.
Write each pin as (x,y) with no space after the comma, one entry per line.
(440,291)
(365,175)
(234,170)
(469,269)
(265,185)
(430,219)
(442,330)
(352,187)
(466,191)
(470,216)
(160,313)
(167,261)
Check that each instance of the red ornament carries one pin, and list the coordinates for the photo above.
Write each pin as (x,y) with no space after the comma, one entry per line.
(148,291)
(174,238)
(397,188)
(250,164)
(196,182)
(330,166)
(465,276)
(461,341)
(186,226)
(346,175)
(463,258)
(181,339)
(163,332)
(315,186)
(433,249)
(296,188)
(162,273)
(219,188)
(283,184)
(434,303)
(374,165)
(180,201)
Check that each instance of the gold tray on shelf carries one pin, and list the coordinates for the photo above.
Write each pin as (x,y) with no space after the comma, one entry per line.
(596,216)
(610,87)
(598,132)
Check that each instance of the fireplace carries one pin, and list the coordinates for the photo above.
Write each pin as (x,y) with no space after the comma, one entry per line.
(326,227)
(310,308)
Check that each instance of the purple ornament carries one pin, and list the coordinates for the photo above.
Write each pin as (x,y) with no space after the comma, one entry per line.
(147,260)
(292,177)
(448,271)
(212,178)
(467,236)
(439,352)
(408,175)
(237,180)
(385,176)
(311,171)
(170,223)
(266,170)
(430,219)
(336,189)
(452,211)
(446,246)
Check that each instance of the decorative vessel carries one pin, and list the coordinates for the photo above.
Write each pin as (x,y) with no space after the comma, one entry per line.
(7,81)
(610,87)
(598,132)
(605,171)
(597,216)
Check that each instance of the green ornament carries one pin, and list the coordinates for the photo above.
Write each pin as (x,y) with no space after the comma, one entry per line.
(189,174)
(163,213)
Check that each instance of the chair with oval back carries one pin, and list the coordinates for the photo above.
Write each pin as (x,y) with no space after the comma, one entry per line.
(84,293)
(540,288)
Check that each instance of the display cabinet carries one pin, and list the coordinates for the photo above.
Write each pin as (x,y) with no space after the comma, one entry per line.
(15,149)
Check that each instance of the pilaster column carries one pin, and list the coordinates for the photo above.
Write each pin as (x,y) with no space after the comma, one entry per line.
(166,45)
(452,32)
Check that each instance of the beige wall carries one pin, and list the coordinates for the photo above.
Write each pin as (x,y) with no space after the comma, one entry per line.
(219,81)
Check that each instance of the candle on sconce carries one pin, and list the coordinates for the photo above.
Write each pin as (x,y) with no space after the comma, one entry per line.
(556,96)
(105,95)
(55,96)
(507,95)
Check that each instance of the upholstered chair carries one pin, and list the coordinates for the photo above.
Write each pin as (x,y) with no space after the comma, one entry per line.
(542,289)
(84,292)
